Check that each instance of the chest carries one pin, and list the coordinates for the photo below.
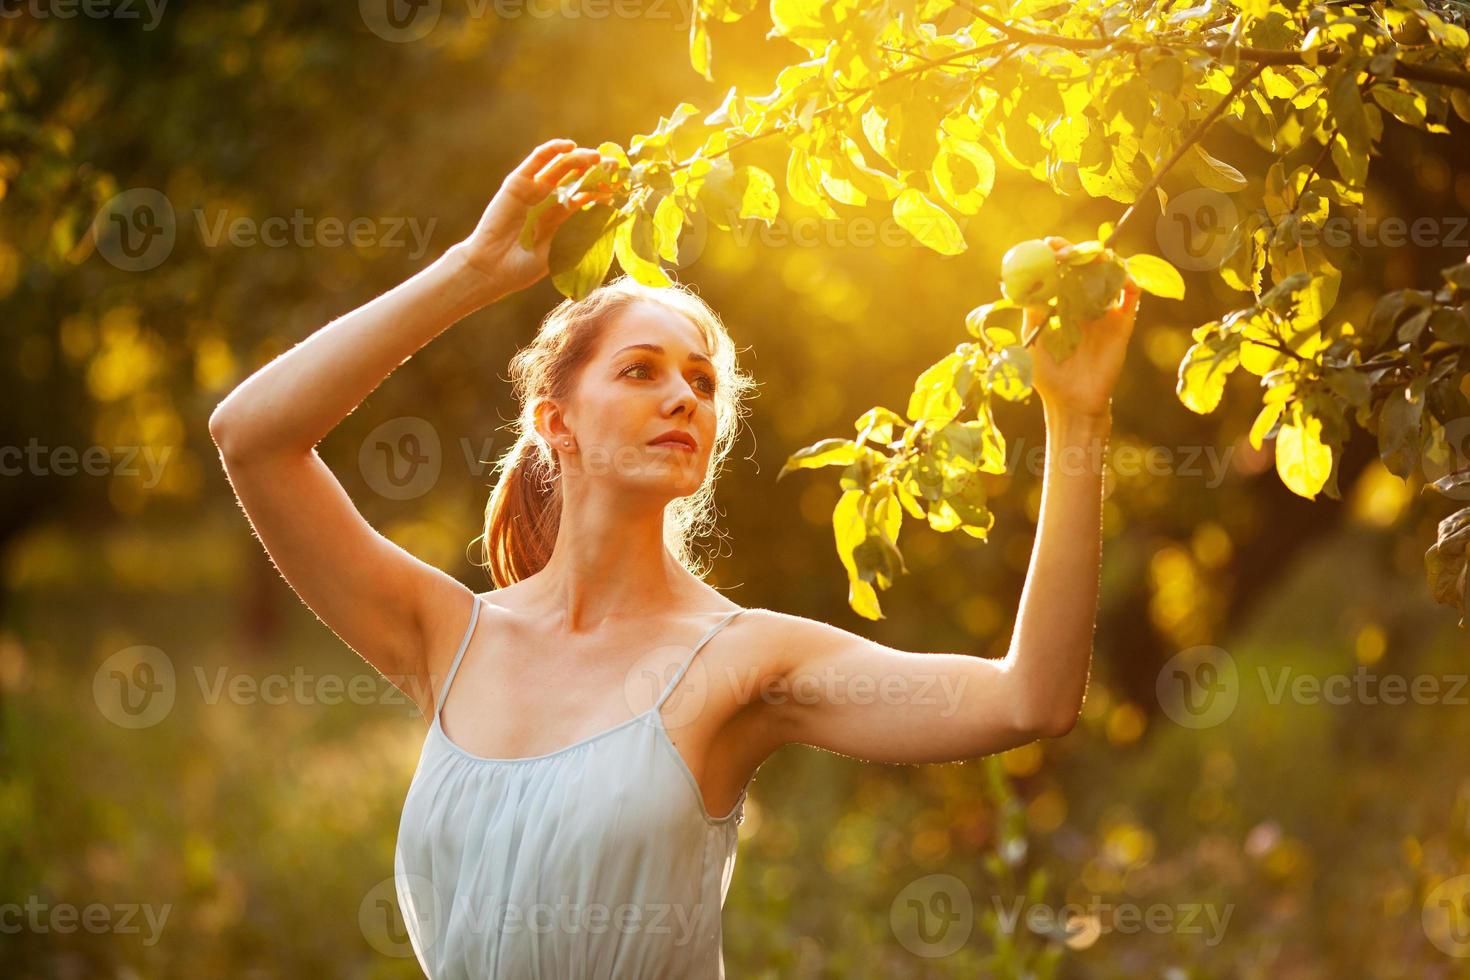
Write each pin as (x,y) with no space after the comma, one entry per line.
(613,805)
(508,706)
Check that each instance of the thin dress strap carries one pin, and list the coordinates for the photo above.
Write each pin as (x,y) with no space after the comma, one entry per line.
(459,655)
(690,659)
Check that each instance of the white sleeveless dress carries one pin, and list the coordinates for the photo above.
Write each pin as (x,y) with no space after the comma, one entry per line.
(595,861)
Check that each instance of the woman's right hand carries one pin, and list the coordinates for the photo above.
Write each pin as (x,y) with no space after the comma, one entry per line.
(493,251)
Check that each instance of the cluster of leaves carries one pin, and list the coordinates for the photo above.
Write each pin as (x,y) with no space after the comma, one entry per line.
(933,469)
(915,103)
(1398,376)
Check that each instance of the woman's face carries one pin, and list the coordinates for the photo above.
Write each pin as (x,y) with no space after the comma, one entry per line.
(649,375)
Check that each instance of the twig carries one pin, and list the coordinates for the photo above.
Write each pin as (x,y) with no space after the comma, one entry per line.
(926,65)
(1190,140)
(1278,346)
(1399,362)
(1312,172)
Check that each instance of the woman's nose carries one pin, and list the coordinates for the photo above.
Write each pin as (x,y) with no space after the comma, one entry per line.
(683,397)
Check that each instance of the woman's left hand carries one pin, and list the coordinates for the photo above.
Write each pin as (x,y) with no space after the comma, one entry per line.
(1083,383)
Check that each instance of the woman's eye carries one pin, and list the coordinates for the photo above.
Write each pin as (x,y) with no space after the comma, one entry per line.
(709,382)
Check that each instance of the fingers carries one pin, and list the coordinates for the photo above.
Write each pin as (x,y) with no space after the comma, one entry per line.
(1131,294)
(1124,310)
(549,164)
(1059,245)
(538,157)
(580,159)
(554,216)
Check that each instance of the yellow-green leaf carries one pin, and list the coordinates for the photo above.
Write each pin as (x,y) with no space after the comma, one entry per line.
(803,186)
(1009,375)
(582,250)
(1302,460)
(668,221)
(759,198)
(637,252)
(877,424)
(1270,412)
(964,174)
(1215,173)
(934,396)
(1155,275)
(700,49)
(1203,371)
(928,222)
(850,530)
(827,452)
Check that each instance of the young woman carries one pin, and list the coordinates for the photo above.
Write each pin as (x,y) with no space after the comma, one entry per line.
(569,817)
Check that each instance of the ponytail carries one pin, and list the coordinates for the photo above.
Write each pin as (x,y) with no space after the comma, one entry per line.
(523,514)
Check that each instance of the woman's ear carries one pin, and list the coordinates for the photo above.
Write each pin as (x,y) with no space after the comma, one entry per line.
(551,424)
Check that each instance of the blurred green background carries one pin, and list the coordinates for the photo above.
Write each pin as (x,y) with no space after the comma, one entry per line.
(251,833)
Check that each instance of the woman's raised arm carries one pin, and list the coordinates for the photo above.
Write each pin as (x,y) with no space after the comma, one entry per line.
(290,404)
(848,694)
(389,606)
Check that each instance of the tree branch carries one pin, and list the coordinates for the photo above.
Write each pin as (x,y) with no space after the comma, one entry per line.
(1193,138)
(1262,56)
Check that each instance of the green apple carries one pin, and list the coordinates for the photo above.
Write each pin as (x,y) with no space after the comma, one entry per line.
(1028,273)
